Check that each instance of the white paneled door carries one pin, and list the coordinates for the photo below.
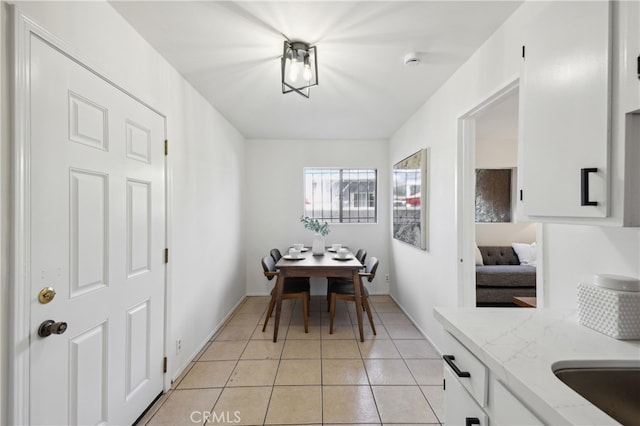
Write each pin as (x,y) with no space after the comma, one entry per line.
(97,237)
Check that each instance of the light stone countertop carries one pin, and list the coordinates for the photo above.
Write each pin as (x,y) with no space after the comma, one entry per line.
(520,345)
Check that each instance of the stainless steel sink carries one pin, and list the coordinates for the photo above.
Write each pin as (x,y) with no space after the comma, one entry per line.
(615,389)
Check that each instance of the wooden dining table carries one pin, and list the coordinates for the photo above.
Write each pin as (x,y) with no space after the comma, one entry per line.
(325,265)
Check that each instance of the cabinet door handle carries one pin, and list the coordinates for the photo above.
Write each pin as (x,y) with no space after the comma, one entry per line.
(584,186)
(468,421)
(449,360)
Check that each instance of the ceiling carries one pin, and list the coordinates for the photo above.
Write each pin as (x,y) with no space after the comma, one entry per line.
(230,52)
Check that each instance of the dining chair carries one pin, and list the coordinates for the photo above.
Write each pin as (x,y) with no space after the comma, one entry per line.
(275,254)
(294,288)
(361,255)
(342,289)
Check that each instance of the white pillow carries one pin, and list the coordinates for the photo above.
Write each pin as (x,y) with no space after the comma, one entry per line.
(526,253)
(479,261)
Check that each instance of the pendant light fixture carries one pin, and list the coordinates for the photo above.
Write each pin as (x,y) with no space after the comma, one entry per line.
(299,67)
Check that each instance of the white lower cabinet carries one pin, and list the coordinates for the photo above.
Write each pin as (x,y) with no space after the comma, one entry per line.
(459,406)
(473,395)
(507,409)
(471,372)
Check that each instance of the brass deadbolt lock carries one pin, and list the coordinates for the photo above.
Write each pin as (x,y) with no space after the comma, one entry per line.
(46,295)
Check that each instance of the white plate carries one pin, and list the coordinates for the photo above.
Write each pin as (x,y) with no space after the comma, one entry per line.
(342,258)
(288,257)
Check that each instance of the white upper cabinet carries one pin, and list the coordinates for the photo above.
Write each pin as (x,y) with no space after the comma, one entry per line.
(565,104)
(630,55)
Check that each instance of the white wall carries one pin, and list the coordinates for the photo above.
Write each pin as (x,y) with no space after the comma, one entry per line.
(503,234)
(4,210)
(207,212)
(500,153)
(206,169)
(496,153)
(275,196)
(423,280)
(573,254)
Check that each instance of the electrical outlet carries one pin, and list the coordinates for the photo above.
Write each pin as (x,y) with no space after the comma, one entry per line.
(386,277)
(178,346)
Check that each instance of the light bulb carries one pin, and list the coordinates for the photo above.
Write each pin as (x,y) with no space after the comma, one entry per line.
(293,70)
(306,70)
(306,73)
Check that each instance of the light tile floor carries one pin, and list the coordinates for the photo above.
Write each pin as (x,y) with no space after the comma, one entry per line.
(241,377)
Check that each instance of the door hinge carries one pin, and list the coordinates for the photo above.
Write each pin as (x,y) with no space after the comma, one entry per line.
(166,255)
(164,365)
(444,384)
(522,52)
(521,194)
(638,67)
(166,147)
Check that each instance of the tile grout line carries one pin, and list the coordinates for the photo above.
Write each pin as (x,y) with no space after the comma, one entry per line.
(322,338)
(224,387)
(375,401)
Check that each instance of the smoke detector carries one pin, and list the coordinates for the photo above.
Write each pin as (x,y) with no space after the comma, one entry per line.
(412,59)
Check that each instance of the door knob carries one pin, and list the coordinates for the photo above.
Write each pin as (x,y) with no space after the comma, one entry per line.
(50,327)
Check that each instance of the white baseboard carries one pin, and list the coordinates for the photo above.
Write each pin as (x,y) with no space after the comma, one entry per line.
(417,326)
(206,340)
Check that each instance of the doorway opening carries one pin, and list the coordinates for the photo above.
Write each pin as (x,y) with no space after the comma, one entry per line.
(498,251)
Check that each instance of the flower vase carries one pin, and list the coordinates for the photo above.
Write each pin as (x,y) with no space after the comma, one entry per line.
(318,245)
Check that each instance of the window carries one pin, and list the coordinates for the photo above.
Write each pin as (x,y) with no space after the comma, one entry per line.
(341,195)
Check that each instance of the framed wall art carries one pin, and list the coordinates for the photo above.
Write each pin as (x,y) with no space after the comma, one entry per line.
(410,200)
(493,195)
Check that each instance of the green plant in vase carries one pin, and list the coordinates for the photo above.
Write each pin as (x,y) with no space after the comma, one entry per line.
(320,229)
(315,225)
